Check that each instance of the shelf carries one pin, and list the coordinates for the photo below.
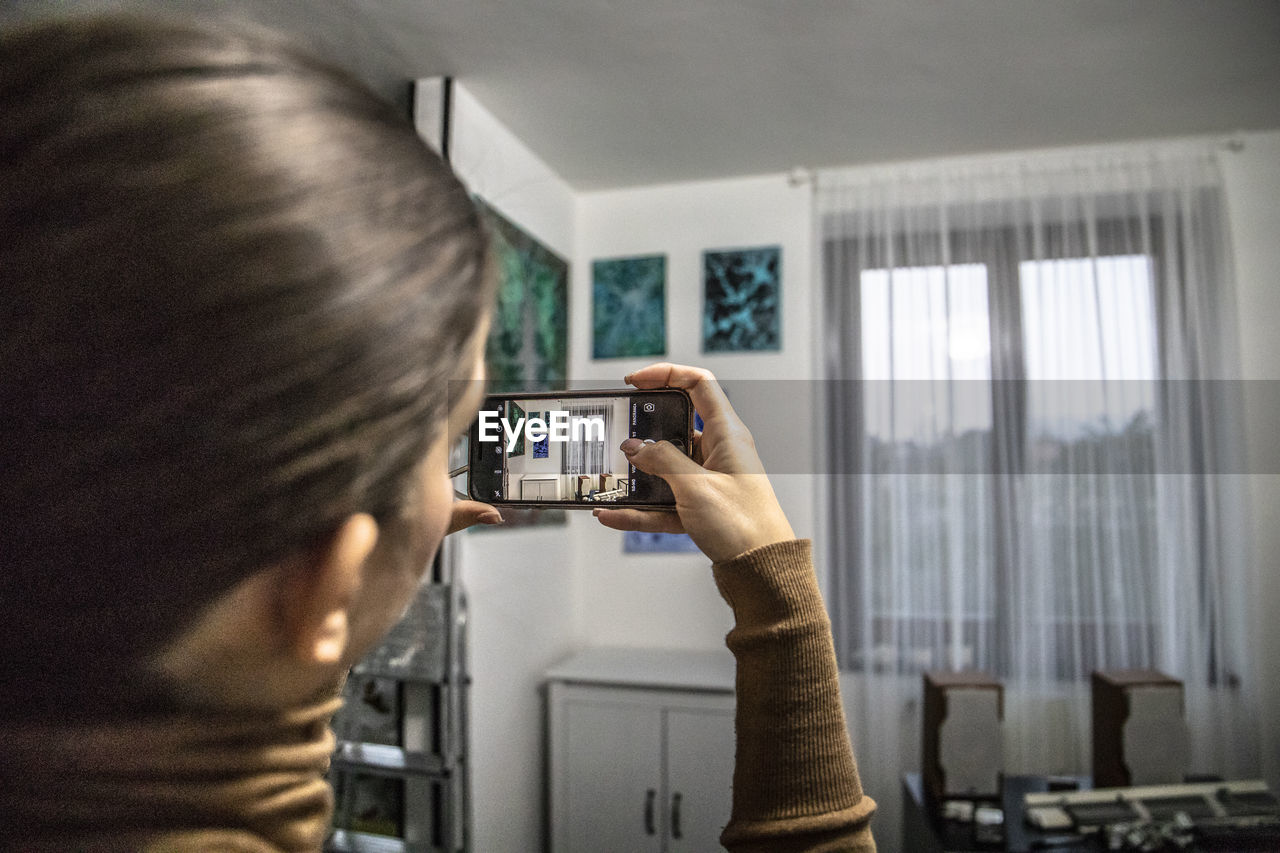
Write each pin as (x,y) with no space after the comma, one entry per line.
(387,759)
(344,841)
(416,648)
(670,669)
(376,669)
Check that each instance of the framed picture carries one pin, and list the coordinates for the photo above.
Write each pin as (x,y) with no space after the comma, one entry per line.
(528,346)
(742,300)
(373,711)
(515,414)
(368,802)
(636,542)
(628,307)
(542,449)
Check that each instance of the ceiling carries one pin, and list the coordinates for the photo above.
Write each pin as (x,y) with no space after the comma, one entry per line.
(614,93)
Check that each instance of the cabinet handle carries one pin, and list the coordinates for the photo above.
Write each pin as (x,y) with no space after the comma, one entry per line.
(649,797)
(675,815)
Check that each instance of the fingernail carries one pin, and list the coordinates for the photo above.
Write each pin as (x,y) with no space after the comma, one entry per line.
(627,379)
(491,518)
(650,441)
(595,513)
(630,446)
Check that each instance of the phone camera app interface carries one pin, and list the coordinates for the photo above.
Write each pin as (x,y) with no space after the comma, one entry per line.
(567,449)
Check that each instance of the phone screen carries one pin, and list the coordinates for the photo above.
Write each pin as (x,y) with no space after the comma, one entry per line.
(561,448)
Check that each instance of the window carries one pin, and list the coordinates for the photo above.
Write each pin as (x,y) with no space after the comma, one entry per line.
(989,445)
(1023,431)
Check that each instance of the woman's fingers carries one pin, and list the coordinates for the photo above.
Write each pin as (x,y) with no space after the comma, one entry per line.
(661,458)
(644,521)
(708,397)
(467,513)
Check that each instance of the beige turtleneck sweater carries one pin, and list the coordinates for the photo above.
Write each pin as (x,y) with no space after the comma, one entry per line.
(254,783)
(795,784)
(248,783)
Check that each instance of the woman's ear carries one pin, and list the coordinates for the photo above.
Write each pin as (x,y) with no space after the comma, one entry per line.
(317,593)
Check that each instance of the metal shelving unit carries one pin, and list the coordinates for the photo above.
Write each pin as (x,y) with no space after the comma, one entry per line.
(410,795)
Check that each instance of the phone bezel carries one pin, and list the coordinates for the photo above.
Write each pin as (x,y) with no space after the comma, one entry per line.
(520,396)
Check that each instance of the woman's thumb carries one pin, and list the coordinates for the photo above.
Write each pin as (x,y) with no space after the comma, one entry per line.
(466,513)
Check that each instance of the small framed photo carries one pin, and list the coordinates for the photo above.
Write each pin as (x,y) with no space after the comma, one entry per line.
(373,712)
(638,542)
(369,803)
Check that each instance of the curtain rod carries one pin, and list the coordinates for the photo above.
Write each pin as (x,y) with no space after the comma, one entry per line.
(997,159)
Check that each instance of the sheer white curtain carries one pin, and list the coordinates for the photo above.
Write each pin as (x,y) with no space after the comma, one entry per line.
(588,457)
(1027,358)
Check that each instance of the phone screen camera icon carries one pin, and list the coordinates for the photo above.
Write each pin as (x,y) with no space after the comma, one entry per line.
(649,407)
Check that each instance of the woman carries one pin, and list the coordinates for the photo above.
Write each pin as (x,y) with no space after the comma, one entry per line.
(238,287)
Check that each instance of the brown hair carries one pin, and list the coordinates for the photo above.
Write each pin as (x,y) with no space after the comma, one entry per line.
(236,284)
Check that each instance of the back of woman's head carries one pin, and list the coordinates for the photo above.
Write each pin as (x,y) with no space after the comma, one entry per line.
(236,285)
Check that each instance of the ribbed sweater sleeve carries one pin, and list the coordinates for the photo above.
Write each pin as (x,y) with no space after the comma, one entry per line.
(795,783)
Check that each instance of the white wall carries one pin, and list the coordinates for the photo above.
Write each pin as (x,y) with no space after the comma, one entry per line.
(526,463)
(520,583)
(669,600)
(1253,205)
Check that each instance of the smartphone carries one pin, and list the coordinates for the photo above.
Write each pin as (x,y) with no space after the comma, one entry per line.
(560,448)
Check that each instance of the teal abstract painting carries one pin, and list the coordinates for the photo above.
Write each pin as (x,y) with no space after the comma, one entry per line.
(742,300)
(528,346)
(628,308)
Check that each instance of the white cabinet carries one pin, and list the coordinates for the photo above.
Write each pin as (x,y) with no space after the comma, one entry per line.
(641,758)
(539,487)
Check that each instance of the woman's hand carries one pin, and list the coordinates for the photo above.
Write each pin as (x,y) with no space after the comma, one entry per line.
(723,498)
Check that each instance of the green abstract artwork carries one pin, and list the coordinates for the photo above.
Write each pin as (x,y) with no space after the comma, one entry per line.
(528,343)
(628,309)
(528,346)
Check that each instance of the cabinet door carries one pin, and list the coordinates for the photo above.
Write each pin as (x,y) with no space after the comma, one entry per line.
(700,747)
(613,755)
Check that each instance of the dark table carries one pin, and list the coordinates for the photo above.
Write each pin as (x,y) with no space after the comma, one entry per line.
(924,830)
